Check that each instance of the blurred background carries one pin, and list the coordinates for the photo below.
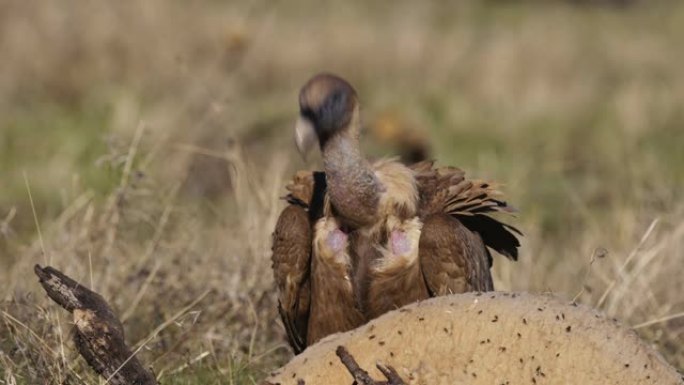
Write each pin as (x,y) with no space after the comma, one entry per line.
(144,147)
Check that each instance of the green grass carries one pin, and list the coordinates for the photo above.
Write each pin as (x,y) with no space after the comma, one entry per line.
(57,148)
(237,373)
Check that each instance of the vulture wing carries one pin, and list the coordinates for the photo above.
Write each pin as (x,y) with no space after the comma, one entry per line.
(453,259)
(445,190)
(292,247)
(291,266)
(456,228)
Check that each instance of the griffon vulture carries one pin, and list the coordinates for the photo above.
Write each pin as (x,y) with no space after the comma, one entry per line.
(362,238)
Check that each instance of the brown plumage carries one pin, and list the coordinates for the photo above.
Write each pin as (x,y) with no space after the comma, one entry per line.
(360,239)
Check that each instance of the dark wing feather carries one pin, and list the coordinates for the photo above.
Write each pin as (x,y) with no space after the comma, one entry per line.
(453,259)
(499,236)
(291,268)
(446,190)
(308,190)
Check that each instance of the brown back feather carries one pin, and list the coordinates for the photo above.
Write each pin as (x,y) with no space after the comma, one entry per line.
(445,190)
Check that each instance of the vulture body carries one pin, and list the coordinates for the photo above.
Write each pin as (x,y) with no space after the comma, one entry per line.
(360,239)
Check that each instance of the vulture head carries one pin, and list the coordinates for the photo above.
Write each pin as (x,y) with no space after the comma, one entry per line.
(328,107)
(329,115)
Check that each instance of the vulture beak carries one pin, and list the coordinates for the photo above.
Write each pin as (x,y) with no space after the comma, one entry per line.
(305,136)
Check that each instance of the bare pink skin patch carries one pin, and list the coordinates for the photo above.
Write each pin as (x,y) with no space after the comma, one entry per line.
(337,240)
(399,243)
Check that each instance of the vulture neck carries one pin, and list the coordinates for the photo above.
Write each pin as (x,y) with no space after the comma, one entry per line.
(353,188)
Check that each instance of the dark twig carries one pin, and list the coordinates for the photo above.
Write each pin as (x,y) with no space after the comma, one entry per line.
(99,335)
(361,376)
(391,374)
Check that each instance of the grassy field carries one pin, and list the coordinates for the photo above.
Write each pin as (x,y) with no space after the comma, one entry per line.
(153,139)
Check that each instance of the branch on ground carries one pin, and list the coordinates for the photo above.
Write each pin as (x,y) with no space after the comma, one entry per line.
(361,376)
(99,335)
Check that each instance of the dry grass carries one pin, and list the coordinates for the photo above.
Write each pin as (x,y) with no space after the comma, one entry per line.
(156,137)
